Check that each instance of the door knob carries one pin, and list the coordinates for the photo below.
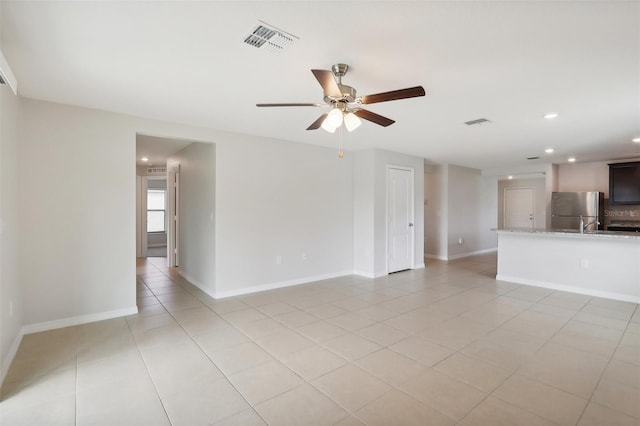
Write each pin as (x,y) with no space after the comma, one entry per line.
(410,225)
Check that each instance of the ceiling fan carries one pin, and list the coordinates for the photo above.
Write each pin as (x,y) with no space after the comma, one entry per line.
(345,105)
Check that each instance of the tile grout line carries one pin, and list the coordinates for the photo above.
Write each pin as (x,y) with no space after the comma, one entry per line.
(207,356)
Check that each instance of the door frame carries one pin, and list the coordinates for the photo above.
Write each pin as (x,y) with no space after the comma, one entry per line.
(412,212)
(533,203)
(173,213)
(144,187)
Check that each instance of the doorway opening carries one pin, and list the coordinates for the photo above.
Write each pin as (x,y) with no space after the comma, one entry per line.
(155,217)
(156,198)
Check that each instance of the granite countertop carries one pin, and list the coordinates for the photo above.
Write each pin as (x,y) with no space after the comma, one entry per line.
(572,232)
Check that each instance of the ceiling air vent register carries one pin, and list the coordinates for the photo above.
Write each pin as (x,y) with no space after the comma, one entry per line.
(477,122)
(157,170)
(268,37)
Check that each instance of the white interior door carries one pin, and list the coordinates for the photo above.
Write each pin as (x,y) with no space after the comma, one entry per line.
(400,219)
(518,208)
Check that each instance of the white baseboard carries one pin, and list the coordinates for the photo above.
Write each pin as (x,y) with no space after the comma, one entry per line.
(196,283)
(435,256)
(419,266)
(462,255)
(189,278)
(570,289)
(6,362)
(81,319)
(61,323)
(281,284)
(365,274)
(472,253)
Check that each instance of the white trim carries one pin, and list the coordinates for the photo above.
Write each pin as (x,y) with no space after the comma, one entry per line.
(80,319)
(571,289)
(462,255)
(6,362)
(369,274)
(194,281)
(143,216)
(61,323)
(364,274)
(435,256)
(272,286)
(418,266)
(472,253)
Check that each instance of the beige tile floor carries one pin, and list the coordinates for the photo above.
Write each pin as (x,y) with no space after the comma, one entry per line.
(445,345)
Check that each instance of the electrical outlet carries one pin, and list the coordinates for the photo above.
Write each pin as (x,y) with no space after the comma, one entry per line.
(278,260)
(460,241)
(584,263)
(305,258)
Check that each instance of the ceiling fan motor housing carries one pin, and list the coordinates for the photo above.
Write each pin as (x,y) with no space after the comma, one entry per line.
(348,95)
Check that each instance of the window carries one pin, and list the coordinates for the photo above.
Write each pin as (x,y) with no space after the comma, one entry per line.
(156,210)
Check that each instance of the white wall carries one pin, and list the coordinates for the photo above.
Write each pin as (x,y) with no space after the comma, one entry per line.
(469,201)
(436,212)
(70,272)
(488,214)
(363,195)
(273,198)
(580,177)
(551,186)
(10,290)
(196,245)
(461,203)
(539,202)
(284,201)
(577,263)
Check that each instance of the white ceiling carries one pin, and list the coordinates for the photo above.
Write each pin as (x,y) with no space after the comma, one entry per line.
(157,150)
(509,62)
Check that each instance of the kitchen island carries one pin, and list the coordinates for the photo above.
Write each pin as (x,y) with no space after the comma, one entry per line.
(597,263)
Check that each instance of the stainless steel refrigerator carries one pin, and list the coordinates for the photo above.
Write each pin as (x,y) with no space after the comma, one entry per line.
(568,208)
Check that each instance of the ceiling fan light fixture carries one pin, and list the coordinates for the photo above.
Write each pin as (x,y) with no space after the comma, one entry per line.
(351,121)
(334,118)
(327,126)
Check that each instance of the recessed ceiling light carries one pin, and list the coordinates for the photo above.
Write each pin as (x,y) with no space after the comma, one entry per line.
(144,159)
(549,150)
(550,115)
(510,177)
(636,140)
(571,159)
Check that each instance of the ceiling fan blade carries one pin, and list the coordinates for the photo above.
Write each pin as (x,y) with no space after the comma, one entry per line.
(290,105)
(316,124)
(328,82)
(394,95)
(373,117)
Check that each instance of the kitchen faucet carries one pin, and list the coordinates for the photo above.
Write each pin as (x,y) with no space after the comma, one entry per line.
(584,226)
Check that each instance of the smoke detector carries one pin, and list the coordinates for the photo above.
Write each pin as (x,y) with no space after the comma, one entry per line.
(268,37)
